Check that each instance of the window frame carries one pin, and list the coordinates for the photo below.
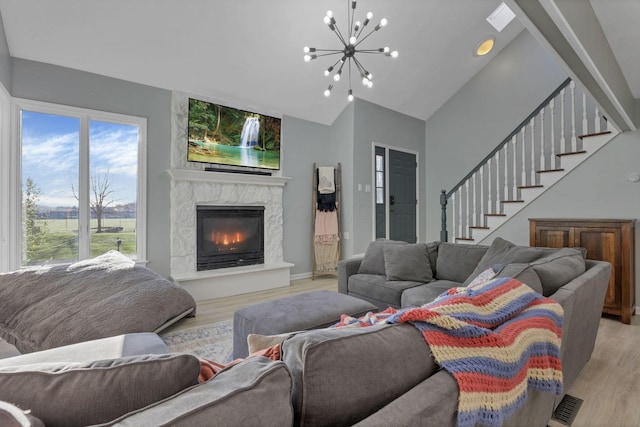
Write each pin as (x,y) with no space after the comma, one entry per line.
(85,116)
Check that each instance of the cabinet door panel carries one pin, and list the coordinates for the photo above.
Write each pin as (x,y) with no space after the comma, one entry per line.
(554,237)
(604,244)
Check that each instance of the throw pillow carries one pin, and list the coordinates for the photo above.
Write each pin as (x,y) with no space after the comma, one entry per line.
(408,262)
(257,342)
(457,261)
(97,391)
(558,269)
(504,252)
(12,416)
(522,272)
(373,261)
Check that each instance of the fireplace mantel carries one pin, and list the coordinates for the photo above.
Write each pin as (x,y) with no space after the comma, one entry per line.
(227,178)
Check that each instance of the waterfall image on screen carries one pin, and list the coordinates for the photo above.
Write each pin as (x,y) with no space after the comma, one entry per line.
(228,136)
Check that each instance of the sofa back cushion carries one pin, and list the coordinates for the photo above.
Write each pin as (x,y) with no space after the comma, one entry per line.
(504,252)
(456,261)
(373,260)
(256,391)
(558,269)
(80,394)
(341,376)
(407,262)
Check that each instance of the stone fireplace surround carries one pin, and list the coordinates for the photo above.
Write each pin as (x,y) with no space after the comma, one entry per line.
(192,186)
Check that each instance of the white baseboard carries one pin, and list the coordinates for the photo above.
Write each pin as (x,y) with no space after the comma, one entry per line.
(300,276)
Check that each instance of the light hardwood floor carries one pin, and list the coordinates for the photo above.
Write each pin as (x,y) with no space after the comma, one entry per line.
(609,384)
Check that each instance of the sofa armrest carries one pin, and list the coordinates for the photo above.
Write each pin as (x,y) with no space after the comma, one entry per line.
(346,269)
(582,299)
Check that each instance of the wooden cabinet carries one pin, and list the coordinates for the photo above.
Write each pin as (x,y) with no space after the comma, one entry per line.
(611,240)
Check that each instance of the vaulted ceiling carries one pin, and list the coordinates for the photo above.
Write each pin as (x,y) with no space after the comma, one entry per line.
(249,54)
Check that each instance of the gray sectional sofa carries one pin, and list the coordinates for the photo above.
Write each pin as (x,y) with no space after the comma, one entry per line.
(376,376)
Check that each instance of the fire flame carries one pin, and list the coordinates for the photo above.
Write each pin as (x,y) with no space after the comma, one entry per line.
(225,239)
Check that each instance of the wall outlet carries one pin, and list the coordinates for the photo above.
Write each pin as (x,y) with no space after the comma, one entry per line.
(359,187)
(367,188)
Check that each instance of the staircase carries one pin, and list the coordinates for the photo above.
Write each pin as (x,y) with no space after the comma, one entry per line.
(565,130)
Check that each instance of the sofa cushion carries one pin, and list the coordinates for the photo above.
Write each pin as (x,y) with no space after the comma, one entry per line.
(373,260)
(420,295)
(378,288)
(504,252)
(97,391)
(256,391)
(558,269)
(522,272)
(456,261)
(407,262)
(341,376)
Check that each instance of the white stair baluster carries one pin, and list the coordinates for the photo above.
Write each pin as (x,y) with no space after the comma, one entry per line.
(459,232)
(468,210)
(585,125)
(574,144)
(552,142)
(454,216)
(482,195)
(533,150)
(474,206)
(597,120)
(514,192)
(490,190)
(505,162)
(542,166)
(563,147)
(524,158)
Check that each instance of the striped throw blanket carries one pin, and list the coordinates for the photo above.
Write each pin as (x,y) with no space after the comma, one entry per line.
(496,338)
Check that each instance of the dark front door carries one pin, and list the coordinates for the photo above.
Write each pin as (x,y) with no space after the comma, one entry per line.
(402,196)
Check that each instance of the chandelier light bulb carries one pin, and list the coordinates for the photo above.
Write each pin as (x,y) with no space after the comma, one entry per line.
(369,15)
(350,96)
(353,40)
(369,84)
(383,22)
(365,81)
(394,54)
(336,76)
(306,49)
(327,92)
(327,20)
(369,75)
(329,14)
(328,71)
(386,50)
(307,58)
(356,26)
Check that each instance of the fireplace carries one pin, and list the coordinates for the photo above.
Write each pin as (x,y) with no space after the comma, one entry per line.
(229,236)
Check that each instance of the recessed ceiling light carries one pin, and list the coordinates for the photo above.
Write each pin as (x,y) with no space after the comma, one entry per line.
(501,17)
(484,46)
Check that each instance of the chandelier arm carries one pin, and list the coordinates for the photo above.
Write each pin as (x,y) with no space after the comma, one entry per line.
(363,71)
(365,37)
(329,54)
(339,34)
(369,51)
(330,50)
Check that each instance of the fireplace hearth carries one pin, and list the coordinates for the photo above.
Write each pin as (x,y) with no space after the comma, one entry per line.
(229,236)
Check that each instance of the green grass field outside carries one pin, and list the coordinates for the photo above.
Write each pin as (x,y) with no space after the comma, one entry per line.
(60,242)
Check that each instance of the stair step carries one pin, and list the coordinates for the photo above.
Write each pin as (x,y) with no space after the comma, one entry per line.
(466,239)
(477,227)
(511,201)
(594,134)
(530,186)
(550,170)
(495,214)
(571,153)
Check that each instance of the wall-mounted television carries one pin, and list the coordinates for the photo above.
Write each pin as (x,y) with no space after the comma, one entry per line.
(221,135)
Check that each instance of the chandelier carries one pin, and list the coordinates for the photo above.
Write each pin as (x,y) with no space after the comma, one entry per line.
(350,42)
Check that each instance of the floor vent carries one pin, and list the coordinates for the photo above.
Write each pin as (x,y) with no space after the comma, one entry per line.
(567,410)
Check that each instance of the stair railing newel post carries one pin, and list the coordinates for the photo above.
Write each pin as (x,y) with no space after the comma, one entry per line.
(443,206)
(585,122)
(505,161)
(524,159)
(514,187)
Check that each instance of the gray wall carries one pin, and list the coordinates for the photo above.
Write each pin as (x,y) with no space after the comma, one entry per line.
(5,59)
(373,123)
(50,83)
(597,188)
(303,143)
(482,113)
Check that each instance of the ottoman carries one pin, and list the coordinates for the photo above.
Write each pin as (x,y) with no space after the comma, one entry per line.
(313,310)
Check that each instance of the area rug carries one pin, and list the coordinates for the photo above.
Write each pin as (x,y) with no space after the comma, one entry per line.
(213,341)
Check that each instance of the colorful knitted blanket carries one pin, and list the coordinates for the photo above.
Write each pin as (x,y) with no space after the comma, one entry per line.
(496,338)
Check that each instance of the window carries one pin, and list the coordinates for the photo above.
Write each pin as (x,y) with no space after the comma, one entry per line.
(379,179)
(82,175)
